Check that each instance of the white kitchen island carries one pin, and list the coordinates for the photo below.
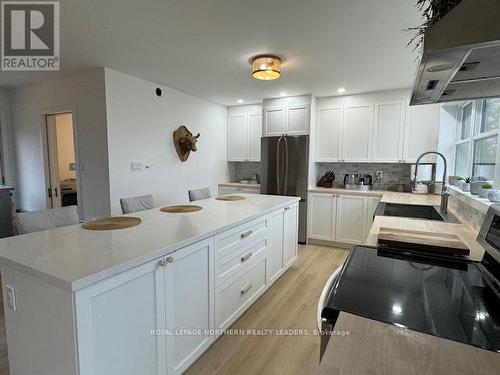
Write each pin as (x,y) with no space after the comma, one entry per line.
(143,300)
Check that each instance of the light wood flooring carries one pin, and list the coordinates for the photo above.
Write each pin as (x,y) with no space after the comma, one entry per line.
(290,303)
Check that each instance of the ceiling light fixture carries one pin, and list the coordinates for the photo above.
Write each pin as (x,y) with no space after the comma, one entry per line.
(240,101)
(282,94)
(341,90)
(266,67)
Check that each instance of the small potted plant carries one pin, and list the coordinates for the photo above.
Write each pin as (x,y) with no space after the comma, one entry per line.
(476,185)
(466,184)
(485,190)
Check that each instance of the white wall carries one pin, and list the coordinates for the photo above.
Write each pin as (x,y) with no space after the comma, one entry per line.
(65,146)
(7,140)
(140,127)
(83,93)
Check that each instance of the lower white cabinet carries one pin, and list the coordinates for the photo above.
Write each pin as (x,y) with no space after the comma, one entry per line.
(350,224)
(153,319)
(189,293)
(290,234)
(340,218)
(275,258)
(322,216)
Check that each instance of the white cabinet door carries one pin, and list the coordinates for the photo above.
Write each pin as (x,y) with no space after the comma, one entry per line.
(274,122)
(115,319)
(297,120)
(275,246)
(371,205)
(421,132)
(290,234)
(388,132)
(322,216)
(329,134)
(254,135)
(357,133)
(237,146)
(350,226)
(189,291)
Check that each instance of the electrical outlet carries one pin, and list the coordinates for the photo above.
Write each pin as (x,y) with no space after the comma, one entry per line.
(379,173)
(11,297)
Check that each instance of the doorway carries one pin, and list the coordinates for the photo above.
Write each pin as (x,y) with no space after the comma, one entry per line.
(62,173)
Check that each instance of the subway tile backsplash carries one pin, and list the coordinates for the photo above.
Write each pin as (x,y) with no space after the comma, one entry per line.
(396,175)
(242,170)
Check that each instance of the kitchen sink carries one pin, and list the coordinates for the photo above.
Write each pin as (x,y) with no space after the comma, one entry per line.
(413,211)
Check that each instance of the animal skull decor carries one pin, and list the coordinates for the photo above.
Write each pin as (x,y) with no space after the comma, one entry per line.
(184,142)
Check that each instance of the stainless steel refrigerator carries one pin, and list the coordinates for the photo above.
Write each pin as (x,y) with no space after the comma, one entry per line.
(284,171)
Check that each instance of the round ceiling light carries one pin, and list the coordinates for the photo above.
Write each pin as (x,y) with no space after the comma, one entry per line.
(266,67)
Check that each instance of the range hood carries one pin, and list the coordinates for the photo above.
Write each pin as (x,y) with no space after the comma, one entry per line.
(461,56)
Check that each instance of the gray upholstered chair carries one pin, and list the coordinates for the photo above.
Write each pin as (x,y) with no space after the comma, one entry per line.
(34,221)
(197,194)
(134,204)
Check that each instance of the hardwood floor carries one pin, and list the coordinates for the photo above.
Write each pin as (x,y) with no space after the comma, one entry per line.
(290,303)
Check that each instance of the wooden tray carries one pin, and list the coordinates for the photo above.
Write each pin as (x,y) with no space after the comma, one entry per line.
(180,209)
(112,222)
(419,241)
(230,198)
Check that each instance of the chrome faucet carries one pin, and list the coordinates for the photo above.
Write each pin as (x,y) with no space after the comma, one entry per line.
(444,189)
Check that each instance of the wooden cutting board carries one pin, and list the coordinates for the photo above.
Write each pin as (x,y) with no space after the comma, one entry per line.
(112,222)
(426,242)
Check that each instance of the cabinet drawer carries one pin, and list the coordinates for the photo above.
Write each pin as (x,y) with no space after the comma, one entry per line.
(231,300)
(240,259)
(242,234)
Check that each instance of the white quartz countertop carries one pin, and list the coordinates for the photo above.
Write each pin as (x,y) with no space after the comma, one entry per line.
(73,258)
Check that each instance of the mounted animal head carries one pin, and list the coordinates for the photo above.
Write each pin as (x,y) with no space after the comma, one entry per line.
(185,142)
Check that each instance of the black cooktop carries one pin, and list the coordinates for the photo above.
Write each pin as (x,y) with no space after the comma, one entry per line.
(456,300)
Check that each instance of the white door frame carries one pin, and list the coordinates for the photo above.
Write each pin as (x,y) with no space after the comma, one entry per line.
(55,111)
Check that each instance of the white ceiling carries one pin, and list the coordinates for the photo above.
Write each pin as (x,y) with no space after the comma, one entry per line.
(203,47)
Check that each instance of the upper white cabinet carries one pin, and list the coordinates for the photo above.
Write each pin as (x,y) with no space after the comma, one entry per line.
(357,133)
(244,130)
(274,121)
(421,132)
(378,127)
(289,115)
(388,132)
(330,122)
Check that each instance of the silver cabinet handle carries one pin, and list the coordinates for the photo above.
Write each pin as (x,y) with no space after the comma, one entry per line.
(246,289)
(247,256)
(164,261)
(246,234)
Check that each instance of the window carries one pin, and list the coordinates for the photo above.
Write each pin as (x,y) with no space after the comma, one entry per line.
(477,139)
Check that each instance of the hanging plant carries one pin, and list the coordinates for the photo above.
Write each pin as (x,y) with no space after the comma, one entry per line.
(432,12)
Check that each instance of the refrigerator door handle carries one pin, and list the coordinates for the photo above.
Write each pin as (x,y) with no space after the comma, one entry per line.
(278,165)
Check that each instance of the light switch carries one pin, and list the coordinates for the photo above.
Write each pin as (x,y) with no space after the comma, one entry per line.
(11,297)
(136,166)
